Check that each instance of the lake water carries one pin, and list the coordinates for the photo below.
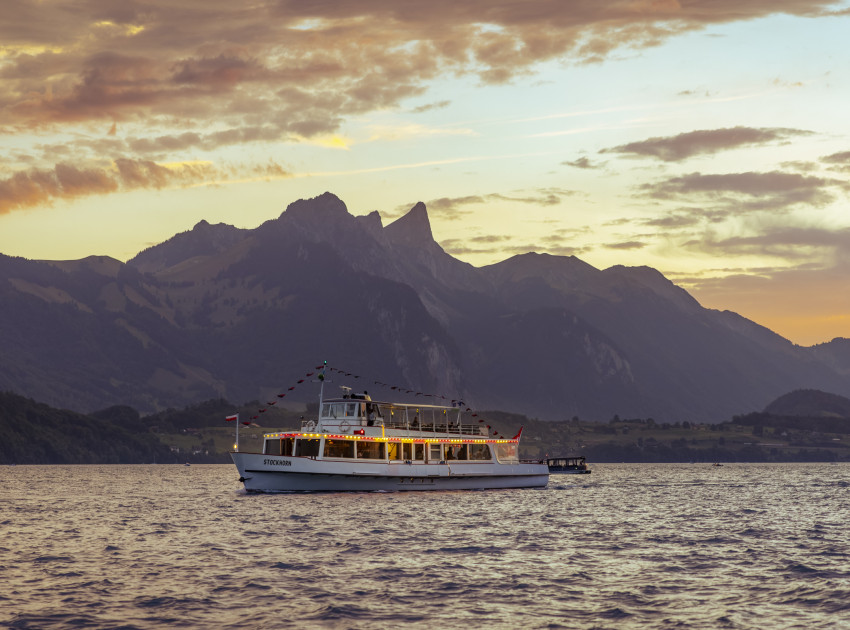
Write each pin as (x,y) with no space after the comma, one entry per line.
(629,546)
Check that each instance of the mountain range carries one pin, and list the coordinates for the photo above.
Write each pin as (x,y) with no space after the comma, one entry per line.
(243,314)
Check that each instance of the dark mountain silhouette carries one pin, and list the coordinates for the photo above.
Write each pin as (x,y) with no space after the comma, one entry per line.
(34,433)
(809,403)
(803,410)
(221,312)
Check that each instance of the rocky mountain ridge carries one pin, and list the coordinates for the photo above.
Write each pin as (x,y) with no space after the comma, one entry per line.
(219,311)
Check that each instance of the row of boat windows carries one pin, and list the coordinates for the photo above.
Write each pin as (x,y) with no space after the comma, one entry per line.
(373,411)
(431,452)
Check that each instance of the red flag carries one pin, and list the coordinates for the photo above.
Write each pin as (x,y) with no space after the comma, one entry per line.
(516,437)
(229,418)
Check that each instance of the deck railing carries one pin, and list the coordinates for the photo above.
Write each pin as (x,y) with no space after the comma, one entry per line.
(436,427)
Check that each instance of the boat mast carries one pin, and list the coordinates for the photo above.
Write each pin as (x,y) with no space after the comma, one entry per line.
(322,385)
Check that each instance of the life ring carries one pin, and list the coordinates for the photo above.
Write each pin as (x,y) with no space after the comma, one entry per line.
(344,426)
(310,425)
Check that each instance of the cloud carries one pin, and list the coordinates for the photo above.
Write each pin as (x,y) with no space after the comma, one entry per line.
(750,191)
(178,78)
(411,130)
(430,107)
(817,309)
(307,65)
(838,161)
(705,142)
(446,207)
(789,243)
(451,207)
(583,163)
(40,186)
(503,246)
(626,245)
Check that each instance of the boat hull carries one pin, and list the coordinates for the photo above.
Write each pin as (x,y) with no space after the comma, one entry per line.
(264,473)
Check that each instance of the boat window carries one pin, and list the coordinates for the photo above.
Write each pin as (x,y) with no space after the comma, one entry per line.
(480,452)
(506,453)
(450,452)
(272,447)
(371,450)
(407,450)
(339,448)
(351,410)
(419,452)
(435,453)
(287,446)
(462,452)
(394,450)
(307,448)
(333,410)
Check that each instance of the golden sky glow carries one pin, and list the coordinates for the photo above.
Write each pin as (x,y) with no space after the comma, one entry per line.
(707,139)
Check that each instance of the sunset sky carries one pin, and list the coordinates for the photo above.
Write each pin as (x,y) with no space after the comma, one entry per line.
(709,139)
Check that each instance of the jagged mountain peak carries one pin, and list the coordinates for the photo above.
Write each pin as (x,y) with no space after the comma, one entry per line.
(322,218)
(326,205)
(414,228)
(372,223)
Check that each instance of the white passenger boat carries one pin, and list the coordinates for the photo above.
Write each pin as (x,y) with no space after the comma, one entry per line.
(357,444)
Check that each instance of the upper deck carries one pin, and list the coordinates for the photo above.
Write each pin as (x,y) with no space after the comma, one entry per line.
(358,412)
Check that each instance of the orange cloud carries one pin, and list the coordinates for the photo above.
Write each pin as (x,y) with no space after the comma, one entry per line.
(64,181)
(198,76)
(307,65)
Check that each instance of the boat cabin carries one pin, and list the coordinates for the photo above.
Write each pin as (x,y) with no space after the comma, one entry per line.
(357,428)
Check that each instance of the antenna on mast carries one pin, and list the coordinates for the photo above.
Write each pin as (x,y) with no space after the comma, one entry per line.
(321,379)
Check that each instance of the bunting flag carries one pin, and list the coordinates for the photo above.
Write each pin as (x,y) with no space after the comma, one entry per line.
(456,402)
(230,418)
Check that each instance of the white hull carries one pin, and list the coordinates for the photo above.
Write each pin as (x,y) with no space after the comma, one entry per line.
(275,473)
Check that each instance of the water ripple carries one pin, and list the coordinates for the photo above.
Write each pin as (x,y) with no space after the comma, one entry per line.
(631,546)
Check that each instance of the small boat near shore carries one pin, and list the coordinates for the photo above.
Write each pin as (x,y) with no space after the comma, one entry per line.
(568,465)
(360,444)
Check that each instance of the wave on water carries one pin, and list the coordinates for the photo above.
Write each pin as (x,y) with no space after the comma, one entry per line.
(631,546)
